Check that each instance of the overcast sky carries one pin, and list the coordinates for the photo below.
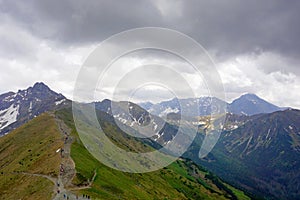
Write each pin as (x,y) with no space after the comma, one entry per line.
(254,44)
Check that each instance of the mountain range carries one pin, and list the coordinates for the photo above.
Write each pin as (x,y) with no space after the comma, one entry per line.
(258,151)
(33,165)
(247,104)
(18,108)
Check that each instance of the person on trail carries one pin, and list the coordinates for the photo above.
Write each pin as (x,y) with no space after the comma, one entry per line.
(61,152)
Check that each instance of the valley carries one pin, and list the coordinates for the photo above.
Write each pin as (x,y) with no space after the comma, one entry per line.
(44,157)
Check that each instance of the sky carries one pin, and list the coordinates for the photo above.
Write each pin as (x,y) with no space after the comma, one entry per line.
(254,44)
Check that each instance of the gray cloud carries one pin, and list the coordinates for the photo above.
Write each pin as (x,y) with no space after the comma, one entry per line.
(243,26)
(229,27)
(254,43)
(79,21)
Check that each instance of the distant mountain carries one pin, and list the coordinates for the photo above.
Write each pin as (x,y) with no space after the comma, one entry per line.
(146,105)
(248,104)
(251,104)
(259,153)
(192,107)
(18,108)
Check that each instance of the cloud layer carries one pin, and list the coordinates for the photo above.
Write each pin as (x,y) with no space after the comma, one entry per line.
(254,43)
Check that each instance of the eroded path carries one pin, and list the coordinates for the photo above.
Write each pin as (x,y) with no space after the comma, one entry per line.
(64,188)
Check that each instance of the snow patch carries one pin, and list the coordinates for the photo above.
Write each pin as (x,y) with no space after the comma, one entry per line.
(30,107)
(8,116)
(132,123)
(60,102)
(198,123)
(155,126)
(168,110)
(123,120)
(253,101)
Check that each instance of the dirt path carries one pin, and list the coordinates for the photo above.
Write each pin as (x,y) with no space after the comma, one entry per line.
(64,188)
(52,179)
(88,186)
(58,185)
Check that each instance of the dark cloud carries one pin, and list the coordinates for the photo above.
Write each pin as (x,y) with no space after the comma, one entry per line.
(254,43)
(243,26)
(80,21)
(228,27)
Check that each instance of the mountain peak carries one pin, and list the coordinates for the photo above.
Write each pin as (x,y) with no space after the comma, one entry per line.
(249,95)
(18,108)
(40,86)
(251,104)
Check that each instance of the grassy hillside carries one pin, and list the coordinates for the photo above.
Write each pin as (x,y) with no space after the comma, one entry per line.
(28,162)
(25,152)
(180,180)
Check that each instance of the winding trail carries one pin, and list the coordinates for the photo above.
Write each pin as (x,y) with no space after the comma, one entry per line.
(63,183)
(63,188)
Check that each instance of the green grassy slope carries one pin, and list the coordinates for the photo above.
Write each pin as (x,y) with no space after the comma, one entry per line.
(180,180)
(29,149)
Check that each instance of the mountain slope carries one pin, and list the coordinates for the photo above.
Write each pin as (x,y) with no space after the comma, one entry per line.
(181,180)
(18,108)
(261,154)
(28,155)
(29,150)
(134,119)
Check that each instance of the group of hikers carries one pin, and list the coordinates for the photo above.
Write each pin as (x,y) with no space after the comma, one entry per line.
(62,167)
(83,196)
(86,196)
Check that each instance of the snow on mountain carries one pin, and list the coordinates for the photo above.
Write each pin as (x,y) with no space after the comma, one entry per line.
(18,108)
(60,102)
(190,107)
(8,116)
(248,104)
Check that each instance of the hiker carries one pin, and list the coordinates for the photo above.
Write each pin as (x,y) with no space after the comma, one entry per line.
(65,140)
(61,152)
